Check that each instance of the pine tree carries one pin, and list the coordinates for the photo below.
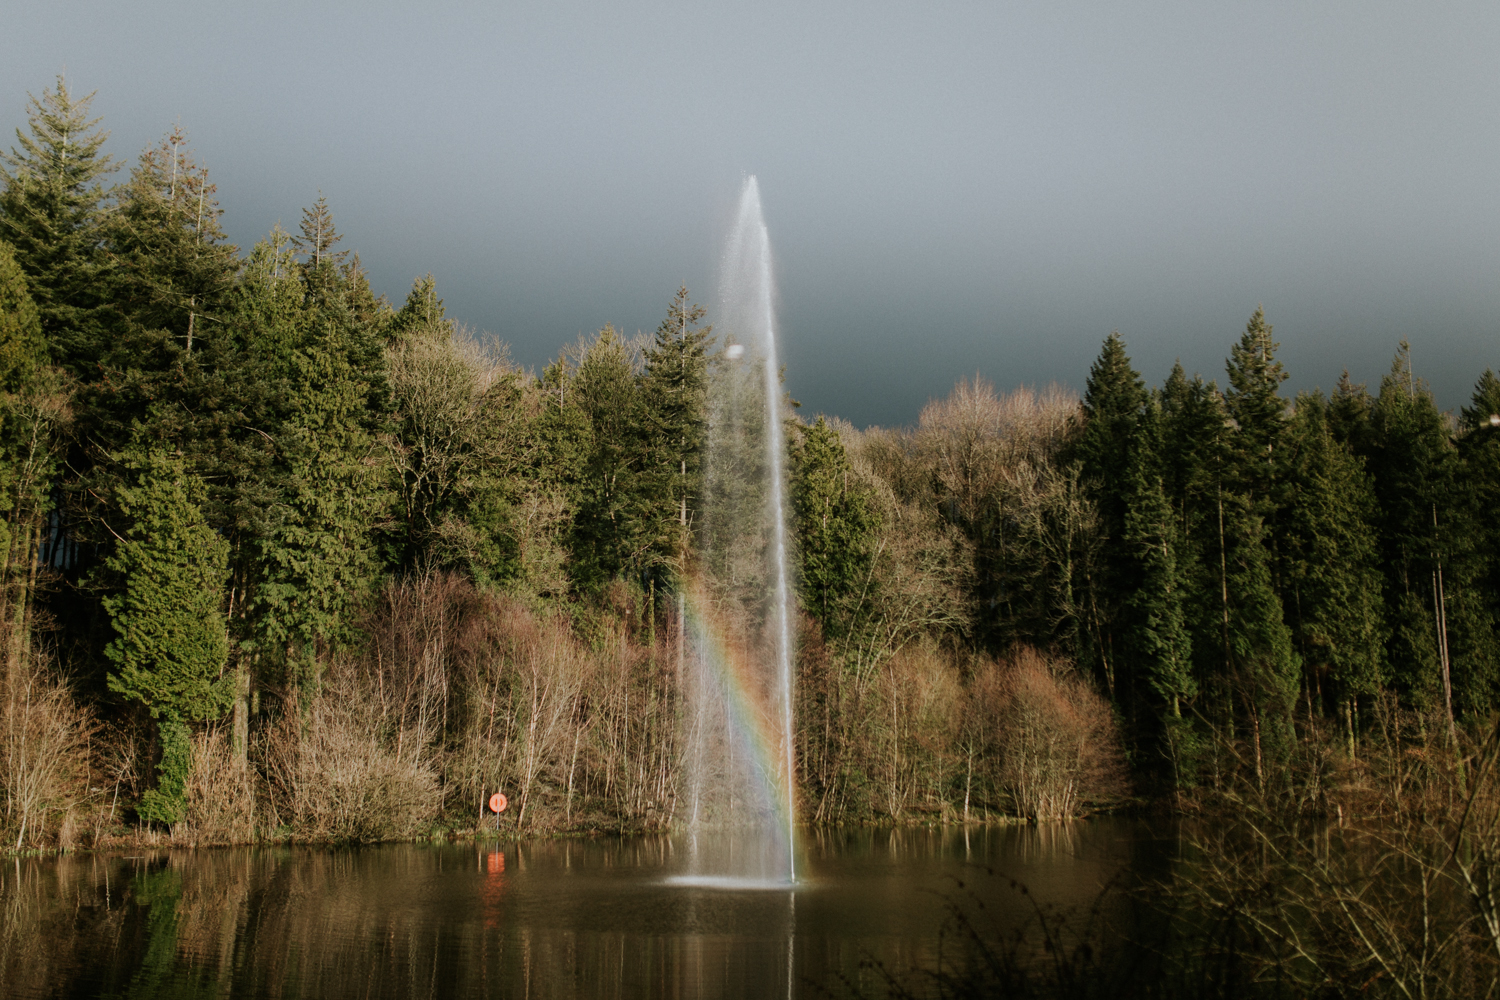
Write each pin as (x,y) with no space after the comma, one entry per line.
(1349,414)
(50,212)
(1194,458)
(1262,665)
(1113,401)
(1474,569)
(368,310)
(317,558)
(1261,657)
(171,644)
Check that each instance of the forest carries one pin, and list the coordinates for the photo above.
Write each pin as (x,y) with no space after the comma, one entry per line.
(285,561)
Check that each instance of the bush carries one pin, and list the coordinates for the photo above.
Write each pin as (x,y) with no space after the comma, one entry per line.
(335,776)
(44,738)
(165,803)
(1055,747)
(219,794)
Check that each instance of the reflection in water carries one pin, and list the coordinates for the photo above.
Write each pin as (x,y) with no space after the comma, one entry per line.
(594,918)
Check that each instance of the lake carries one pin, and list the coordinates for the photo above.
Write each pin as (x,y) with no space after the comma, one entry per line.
(598,917)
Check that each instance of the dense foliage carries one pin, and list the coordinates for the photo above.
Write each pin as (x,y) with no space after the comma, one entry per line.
(252,509)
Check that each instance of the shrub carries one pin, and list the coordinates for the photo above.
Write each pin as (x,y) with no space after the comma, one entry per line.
(1055,744)
(44,737)
(335,776)
(219,794)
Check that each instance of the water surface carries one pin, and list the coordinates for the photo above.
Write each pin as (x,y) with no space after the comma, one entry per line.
(616,917)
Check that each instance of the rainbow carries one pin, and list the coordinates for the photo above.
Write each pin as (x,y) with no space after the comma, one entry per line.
(730,679)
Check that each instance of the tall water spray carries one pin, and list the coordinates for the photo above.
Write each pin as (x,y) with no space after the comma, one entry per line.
(740,763)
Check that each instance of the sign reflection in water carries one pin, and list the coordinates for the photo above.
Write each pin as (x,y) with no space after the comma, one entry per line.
(591,918)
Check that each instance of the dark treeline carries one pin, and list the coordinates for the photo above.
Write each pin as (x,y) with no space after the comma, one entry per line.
(282,559)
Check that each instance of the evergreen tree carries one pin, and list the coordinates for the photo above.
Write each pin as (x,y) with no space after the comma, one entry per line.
(32,412)
(171,644)
(1194,457)
(618,513)
(1158,640)
(317,558)
(423,310)
(22,349)
(174,268)
(1253,401)
(1113,401)
(835,522)
(1472,600)
(1262,667)
(675,397)
(1349,415)
(317,554)
(1336,605)
(51,208)
(310,506)
(1261,657)
(1412,468)
(319,236)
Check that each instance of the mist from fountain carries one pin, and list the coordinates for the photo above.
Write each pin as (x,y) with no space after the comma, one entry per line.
(740,768)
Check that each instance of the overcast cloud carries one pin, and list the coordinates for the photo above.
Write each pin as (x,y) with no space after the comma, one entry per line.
(950,188)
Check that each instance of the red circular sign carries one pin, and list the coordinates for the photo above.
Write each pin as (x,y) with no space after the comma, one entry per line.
(498,802)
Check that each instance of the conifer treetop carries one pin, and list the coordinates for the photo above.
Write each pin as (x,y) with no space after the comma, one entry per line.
(1114,388)
(319,235)
(62,150)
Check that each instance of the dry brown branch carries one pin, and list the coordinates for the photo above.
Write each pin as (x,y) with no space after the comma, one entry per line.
(44,740)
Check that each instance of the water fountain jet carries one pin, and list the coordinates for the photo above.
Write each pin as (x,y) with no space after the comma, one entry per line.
(740,766)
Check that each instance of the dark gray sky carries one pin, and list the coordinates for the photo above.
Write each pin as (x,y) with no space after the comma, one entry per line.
(950,187)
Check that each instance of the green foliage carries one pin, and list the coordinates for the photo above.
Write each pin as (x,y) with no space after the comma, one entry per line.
(170,642)
(1335,581)
(835,524)
(1260,659)
(22,349)
(317,555)
(319,236)
(1253,401)
(422,311)
(167,802)
(1412,460)
(174,268)
(259,444)
(620,513)
(1113,403)
(674,390)
(1158,638)
(51,208)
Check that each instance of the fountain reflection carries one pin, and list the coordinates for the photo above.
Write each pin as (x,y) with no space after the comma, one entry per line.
(540,919)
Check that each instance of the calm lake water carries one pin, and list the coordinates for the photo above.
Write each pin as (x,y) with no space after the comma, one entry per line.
(557,918)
